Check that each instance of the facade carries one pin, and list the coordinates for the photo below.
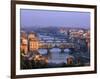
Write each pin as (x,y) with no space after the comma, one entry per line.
(70,60)
(87,37)
(24,43)
(28,43)
(33,42)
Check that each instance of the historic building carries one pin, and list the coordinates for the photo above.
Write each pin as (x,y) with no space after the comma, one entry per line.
(70,60)
(24,43)
(87,37)
(33,43)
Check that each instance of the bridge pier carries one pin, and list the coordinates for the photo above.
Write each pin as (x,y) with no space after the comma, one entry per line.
(48,50)
(62,50)
(49,54)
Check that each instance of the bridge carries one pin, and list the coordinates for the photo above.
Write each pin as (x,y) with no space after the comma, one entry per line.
(55,44)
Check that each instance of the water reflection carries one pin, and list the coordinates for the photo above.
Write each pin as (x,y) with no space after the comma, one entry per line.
(55,55)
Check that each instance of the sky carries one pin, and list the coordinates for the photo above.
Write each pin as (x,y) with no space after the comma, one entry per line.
(45,18)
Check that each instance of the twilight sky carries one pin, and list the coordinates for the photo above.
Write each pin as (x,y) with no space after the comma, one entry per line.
(44,18)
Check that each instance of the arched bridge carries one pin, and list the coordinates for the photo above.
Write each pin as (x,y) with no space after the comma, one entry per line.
(55,44)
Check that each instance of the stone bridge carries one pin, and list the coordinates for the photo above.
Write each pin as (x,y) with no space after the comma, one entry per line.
(55,44)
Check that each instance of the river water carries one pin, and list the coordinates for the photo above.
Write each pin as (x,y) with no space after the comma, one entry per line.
(55,55)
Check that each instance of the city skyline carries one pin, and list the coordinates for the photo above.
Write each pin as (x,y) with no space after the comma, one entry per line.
(52,39)
(44,18)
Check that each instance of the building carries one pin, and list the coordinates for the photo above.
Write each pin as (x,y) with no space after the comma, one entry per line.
(33,42)
(87,37)
(70,60)
(64,31)
(24,43)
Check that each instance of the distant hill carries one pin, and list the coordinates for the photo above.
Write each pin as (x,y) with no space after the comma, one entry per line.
(49,29)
